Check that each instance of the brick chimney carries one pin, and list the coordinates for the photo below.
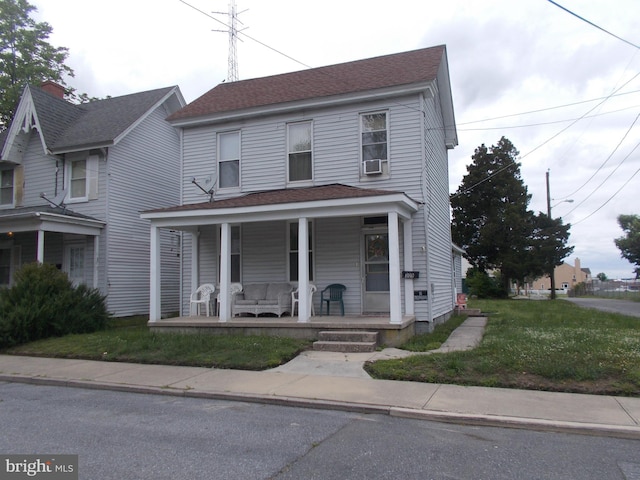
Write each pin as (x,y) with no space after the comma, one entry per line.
(577,270)
(53,88)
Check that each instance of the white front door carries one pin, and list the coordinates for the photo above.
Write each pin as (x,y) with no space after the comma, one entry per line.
(376,272)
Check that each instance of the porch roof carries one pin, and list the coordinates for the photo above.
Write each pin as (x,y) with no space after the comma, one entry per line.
(48,219)
(311,202)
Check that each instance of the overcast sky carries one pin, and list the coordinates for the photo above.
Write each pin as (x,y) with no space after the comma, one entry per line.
(506,58)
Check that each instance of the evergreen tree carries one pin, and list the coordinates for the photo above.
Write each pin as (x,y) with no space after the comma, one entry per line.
(25,55)
(492,222)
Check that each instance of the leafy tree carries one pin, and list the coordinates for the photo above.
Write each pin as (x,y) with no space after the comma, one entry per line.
(491,220)
(25,55)
(629,243)
(602,277)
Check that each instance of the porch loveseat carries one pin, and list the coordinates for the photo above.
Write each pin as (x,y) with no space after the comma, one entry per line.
(260,298)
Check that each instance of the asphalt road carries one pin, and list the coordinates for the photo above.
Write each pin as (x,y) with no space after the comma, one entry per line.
(625,307)
(132,436)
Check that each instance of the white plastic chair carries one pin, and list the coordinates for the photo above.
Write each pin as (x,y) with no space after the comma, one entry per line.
(202,296)
(295,300)
(233,289)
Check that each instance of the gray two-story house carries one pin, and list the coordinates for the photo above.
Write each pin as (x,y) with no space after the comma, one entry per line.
(347,163)
(74,178)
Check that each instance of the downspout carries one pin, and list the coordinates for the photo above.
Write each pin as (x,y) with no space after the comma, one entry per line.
(424,182)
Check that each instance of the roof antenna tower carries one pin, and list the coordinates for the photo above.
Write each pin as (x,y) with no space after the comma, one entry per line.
(232,67)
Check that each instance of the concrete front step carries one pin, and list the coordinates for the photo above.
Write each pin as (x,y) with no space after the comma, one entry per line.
(348,336)
(346,347)
(346,341)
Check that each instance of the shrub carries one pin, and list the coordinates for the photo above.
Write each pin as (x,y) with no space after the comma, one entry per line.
(44,303)
(482,285)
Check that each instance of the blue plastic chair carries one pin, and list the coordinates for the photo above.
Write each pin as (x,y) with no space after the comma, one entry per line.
(333,293)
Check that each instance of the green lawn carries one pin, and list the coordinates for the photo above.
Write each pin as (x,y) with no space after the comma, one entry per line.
(539,345)
(129,340)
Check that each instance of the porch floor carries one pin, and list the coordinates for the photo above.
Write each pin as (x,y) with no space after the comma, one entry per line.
(388,334)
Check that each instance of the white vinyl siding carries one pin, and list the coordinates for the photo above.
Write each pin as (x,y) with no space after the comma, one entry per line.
(416,165)
(149,151)
(439,228)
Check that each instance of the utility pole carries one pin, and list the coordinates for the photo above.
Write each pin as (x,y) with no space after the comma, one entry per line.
(552,267)
(232,61)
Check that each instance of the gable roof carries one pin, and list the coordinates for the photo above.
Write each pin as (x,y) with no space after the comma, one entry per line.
(67,127)
(413,68)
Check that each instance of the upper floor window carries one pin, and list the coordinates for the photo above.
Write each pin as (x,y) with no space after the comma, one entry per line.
(374,143)
(78,179)
(81,182)
(299,151)
(229,160)
(6,187)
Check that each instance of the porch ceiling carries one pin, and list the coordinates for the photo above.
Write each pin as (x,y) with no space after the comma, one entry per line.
(48,219)
(311,202)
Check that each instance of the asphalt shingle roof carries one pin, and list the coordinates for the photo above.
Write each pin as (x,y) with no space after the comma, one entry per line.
(408,68)
(289,195)
(65,125)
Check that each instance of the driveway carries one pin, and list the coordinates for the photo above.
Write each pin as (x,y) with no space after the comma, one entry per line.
(624,307)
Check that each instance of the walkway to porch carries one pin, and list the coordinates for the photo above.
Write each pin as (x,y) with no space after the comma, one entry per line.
(389,334)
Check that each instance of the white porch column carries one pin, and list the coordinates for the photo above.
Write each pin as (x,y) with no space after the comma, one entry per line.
(394,270)
(408,265)
(40,251)
(96,252)
(225,272)
(195,261)
(154,275)
(304,305)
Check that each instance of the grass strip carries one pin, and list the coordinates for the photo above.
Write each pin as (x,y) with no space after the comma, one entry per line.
(131,342)
(538,345)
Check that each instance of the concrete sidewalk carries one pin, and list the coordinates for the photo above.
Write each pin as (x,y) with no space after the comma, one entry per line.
(340,385)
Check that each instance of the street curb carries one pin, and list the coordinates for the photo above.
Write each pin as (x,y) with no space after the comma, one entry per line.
(615,431)
(538,424)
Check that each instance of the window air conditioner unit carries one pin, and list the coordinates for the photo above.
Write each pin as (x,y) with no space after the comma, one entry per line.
(372,167)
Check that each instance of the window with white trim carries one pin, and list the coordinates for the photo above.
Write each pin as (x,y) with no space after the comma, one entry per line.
(299,152)
(6,187)
(374,143)
(78,180)
(292,243)
(229,160)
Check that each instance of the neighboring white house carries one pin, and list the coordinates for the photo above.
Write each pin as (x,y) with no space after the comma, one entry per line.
(73,181)
(348,163)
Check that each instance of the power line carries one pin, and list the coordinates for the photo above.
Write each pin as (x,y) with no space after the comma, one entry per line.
(545,109)
(593,24)
(602,166)
(612,196)
(546,123)
(552,137)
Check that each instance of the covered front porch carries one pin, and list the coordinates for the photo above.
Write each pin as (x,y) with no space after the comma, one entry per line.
(50,234)
(389,334)
(336,224)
